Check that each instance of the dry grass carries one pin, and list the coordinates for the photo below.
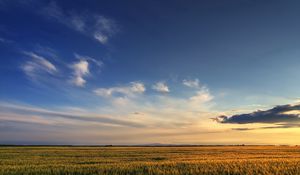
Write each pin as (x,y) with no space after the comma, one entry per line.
(151,160)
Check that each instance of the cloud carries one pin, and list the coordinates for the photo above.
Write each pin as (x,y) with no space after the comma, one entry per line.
(81,69)
(4,40)
(78,23)
(191,83)
(122,100)
(96,26)
(46,51)
(128,111)
(161,87)
(202,96)
(37,65)
(43,62)
(286,114)
(104,29)
(131,90)
(159,110)
(53,11)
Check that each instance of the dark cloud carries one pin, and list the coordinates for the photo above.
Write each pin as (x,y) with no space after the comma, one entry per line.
(275,115)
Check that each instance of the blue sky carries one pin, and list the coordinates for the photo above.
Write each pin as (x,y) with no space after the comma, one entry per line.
(120,70)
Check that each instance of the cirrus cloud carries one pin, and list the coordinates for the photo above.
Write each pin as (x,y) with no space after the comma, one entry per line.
(95,26)
(37,65)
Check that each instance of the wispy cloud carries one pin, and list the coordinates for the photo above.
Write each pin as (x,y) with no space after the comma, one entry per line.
(47,65)
(104,29)
(37,65)
(46,51)
(129,90)
(54,11)
(161,87)
(4,40)
(96,26)
(78,23)
(191,83)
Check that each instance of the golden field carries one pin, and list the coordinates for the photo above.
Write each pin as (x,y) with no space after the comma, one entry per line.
(31,160)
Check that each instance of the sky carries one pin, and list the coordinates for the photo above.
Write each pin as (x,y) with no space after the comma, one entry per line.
(143,72)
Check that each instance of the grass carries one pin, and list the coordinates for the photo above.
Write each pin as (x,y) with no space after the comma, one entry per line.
(281,160)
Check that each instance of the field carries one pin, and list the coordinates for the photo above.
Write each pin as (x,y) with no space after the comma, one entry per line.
(151,160)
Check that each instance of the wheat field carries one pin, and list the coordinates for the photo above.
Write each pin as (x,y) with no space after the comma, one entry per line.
(32,160)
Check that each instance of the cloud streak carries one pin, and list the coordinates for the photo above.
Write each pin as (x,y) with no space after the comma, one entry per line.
(21,113)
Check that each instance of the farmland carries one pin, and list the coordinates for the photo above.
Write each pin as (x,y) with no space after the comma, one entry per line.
(150,160)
